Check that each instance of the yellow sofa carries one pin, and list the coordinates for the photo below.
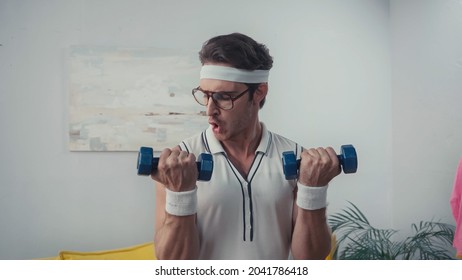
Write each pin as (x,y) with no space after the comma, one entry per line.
(143,251)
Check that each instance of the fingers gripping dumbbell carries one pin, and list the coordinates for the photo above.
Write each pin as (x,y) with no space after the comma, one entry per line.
(147,163)
(347,158)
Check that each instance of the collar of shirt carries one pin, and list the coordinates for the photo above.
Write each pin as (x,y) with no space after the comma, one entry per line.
(216,147)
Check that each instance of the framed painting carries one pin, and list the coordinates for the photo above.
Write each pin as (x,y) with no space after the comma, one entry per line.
(121,98)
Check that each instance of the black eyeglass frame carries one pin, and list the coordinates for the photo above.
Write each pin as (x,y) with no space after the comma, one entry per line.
(212,93)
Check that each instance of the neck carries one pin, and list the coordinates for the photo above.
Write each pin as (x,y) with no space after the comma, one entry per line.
(246,143)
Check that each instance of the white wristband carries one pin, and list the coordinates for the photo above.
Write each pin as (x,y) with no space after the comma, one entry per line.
(181,203)
(311,198)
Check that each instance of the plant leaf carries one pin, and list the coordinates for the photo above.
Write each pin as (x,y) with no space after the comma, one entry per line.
(357,239)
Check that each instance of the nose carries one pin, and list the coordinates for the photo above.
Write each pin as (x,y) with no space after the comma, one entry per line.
(212,109)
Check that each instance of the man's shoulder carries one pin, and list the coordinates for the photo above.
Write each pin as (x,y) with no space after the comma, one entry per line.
(282,140)
(195,143)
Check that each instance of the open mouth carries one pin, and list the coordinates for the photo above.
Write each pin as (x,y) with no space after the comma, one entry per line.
(215,126)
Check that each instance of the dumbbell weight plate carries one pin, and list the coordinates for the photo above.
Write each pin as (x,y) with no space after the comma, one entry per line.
(205,167)
(144,163)
(349,159)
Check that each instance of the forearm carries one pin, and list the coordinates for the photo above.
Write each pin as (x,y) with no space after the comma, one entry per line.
(311,236)
(176,233)
(177,239)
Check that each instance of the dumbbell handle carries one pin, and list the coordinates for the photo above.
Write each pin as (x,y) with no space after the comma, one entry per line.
(340,159)
(155,164)
(147,163)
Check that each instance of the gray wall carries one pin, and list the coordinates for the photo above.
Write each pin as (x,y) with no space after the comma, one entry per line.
(426,44)
(382,75)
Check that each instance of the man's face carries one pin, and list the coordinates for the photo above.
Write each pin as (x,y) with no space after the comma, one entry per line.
(228,124)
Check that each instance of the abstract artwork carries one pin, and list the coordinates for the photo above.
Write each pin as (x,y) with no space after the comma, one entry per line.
(121,98)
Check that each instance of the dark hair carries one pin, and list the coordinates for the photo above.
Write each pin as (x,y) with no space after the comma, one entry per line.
(239,51)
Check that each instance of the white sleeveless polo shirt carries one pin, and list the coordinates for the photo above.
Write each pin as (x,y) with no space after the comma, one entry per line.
(245,219)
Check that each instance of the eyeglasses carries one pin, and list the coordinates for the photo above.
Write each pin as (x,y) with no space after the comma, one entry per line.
(223,100)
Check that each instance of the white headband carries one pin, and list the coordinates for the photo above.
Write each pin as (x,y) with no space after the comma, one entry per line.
(218,72)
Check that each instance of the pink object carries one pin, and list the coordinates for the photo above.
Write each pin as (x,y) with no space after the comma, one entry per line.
(456,206)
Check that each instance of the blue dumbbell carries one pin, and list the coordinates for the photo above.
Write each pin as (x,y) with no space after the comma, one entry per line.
(147,163)
(347,158)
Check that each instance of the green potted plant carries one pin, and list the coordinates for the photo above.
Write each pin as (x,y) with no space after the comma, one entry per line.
(357,239)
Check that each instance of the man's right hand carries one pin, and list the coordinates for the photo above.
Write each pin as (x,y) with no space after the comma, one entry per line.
(177,170)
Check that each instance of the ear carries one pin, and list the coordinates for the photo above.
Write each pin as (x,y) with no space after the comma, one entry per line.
(260,93)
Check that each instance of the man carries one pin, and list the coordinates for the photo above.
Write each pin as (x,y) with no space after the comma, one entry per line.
(247,210)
